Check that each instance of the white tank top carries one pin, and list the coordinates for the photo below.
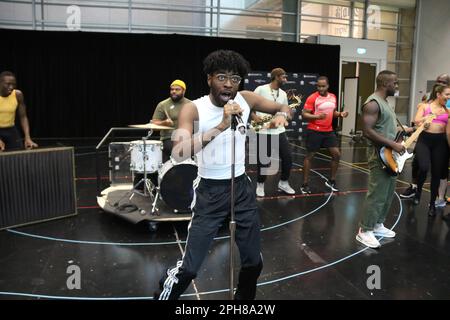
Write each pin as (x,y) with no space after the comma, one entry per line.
(214,160)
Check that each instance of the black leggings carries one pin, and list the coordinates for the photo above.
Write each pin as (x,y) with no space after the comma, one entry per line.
(431,153)
(415,170)
(284,152)
(210,211)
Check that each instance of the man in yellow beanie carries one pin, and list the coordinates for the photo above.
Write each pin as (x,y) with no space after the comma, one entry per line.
(166,114)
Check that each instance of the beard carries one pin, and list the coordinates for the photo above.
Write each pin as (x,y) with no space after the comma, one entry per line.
(176,98)
(390,93)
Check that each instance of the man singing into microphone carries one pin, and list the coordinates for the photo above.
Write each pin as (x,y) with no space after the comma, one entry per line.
(204,130)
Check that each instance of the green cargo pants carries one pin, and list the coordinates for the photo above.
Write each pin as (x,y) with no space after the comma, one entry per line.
(380,194)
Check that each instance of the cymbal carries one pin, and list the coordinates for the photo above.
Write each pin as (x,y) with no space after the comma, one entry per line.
(151,126)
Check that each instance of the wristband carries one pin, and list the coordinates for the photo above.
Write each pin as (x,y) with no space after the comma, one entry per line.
(281,113)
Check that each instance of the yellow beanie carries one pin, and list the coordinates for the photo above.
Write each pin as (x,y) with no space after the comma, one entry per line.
(178,83)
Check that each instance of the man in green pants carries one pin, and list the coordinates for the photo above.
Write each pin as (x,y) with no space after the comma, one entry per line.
(380,128)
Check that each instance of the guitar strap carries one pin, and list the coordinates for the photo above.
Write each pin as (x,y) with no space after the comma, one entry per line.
(398,121)
(401,126)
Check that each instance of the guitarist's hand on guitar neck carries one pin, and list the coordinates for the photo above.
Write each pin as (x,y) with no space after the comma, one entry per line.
(407,130)
(394,155)
(425,121)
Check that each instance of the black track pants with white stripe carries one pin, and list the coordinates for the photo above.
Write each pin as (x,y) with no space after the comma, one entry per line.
(211,209)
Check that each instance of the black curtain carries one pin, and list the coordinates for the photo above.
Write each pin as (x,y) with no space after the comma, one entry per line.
(80,84)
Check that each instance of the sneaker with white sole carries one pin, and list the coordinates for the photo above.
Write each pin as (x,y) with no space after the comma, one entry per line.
(381,231)
(440,203)
(409,193)
(368,239)
(284,186)
(305,189)
(260,189)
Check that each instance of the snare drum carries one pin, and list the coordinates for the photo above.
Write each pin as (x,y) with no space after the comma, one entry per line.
(175,183)
(153,149)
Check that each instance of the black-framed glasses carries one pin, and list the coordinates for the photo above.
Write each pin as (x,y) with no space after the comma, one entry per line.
(235,79)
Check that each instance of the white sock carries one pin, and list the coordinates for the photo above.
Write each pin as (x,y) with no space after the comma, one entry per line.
(442,189)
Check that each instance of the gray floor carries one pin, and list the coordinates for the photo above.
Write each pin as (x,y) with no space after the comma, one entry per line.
(308,245)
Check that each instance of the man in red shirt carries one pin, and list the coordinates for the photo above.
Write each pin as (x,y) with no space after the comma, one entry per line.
(319,110)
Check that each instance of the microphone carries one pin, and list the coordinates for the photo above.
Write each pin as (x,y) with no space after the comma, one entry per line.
(240,125)
(237,121)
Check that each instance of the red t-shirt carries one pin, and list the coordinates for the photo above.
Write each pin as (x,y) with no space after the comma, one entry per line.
(318,104)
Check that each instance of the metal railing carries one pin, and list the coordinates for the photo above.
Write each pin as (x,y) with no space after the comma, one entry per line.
(206,18)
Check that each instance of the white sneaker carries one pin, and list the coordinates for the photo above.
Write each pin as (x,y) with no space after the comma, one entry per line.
(440,203)
(260,189)
(284,186)
(368,239)
(381,231)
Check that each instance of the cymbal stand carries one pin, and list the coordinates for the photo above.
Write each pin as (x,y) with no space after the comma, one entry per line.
(148,184)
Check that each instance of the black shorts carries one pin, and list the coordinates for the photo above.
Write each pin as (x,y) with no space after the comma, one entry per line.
(316,140)
(11,138)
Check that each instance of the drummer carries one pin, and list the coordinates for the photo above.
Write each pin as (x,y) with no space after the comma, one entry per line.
(166,114)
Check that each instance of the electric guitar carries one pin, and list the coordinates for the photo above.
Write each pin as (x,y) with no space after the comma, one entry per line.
(264,123)
(393,162)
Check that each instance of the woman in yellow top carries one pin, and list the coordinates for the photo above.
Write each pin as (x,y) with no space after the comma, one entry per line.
(10,101)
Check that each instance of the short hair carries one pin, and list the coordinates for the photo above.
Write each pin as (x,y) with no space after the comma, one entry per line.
(445,76)
(276,72)
(437,88)
(381,77)
(226,60)
(323,78)
(6,74)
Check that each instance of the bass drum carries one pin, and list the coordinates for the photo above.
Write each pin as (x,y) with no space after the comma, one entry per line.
(176,183)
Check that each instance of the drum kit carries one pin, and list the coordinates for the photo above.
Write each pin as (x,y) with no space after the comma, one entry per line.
(174,183)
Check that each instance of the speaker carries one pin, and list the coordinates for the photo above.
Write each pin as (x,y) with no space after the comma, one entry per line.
(36,185)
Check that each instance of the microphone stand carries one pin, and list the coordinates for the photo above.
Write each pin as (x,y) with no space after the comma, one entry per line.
(232,224)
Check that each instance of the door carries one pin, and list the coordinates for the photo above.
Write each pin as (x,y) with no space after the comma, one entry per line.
(366,86)
(350,104)
(358,83)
